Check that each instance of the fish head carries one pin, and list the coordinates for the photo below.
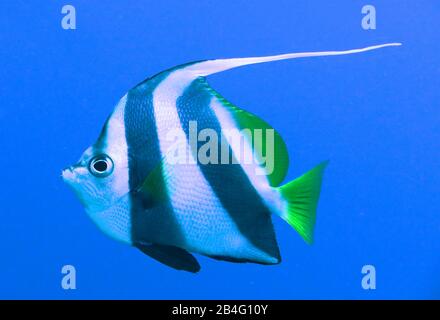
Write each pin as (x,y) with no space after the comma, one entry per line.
(100,177)
(93,179)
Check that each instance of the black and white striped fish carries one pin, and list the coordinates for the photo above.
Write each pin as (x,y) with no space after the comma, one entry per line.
(165,177)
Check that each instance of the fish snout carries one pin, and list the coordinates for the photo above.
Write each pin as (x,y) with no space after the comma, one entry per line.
(68,174)
(74,173)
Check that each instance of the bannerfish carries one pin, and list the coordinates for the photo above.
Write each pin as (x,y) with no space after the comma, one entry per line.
(207,200)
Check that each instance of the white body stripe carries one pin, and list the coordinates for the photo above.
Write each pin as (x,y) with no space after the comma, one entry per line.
(116,146)
(259,181)
(115,221)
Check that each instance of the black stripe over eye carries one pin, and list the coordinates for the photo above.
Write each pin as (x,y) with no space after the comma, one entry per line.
(101,166)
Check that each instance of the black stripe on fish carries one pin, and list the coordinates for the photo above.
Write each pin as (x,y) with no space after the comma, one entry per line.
(229,182)
(143,156)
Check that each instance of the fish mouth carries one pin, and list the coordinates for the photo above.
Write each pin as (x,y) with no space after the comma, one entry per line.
(68,175)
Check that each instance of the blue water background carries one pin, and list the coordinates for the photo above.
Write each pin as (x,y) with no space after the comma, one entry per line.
(375,116)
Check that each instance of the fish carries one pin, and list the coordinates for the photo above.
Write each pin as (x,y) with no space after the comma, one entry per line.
(168,175)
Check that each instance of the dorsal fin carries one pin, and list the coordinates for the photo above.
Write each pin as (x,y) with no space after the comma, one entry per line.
(208,67)
(177,79)
(246,120)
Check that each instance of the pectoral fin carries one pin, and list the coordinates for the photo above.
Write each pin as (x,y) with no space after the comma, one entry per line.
(171,256)
(154,186)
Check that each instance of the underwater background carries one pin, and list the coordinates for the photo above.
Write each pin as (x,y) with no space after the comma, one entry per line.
(375,116)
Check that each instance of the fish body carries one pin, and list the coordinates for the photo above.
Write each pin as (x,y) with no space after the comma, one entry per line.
(177,169)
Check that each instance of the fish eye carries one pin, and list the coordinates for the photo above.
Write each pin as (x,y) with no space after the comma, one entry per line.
(101,166)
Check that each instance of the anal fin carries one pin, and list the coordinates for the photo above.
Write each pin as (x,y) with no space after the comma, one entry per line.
(238,260)
(171,256)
